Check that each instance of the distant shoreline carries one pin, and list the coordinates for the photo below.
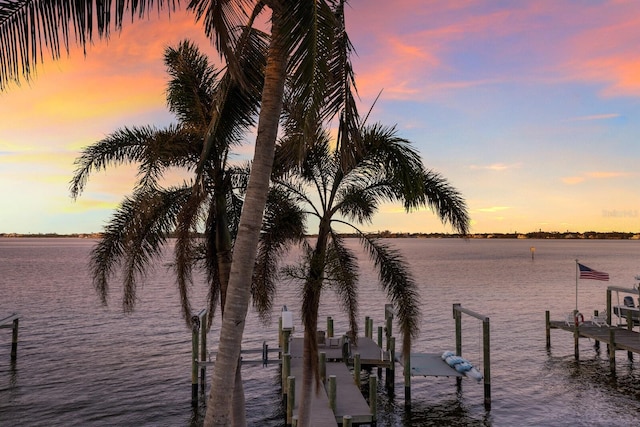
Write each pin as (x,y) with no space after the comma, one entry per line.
(612,235)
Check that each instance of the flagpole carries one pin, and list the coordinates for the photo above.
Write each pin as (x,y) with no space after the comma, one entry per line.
(576,285)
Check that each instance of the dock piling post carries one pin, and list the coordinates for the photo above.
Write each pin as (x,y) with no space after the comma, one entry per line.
(457,316)
(195,329)
(576,336)
(203,348)
(486,338)
(323,367)
(14,341)
(370,336)
(373,396)
(286,371)
(291,398)
(366,326)
(329,327)
(547,323)
(346,421)
(407,381)
(332,392)
(356,369)
(612,350)
(391,371)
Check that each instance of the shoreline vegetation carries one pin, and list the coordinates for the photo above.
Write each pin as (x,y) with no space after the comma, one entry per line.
(612,235)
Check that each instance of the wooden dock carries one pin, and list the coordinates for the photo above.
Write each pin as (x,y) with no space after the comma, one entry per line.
(616,337)
(349,400)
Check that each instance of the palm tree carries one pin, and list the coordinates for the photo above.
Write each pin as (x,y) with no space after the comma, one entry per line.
(385,169)
(139,228)
(301,35)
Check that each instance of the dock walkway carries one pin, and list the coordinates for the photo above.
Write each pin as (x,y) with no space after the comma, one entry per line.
(349,399)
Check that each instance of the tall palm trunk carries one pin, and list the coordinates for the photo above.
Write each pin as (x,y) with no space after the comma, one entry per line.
(310,307)
(223,249)
(244,254)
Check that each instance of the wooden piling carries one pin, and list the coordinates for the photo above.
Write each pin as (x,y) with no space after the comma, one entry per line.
(612,350)
(629,328)
(286,371)
(380,329)
(486,347)
(291,397)
(203,348)
(329,327)
(195,333)
(547,327)
(576,336)
(407,381)
(373,396)
(391,371)
(14,340)
(357,369)
(370,336)
(332,392)
(346,421)
(323,367)
(366,327)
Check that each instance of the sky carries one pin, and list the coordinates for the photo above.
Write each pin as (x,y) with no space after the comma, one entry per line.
(530,109)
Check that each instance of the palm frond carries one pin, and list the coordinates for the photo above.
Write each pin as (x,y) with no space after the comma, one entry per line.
(446,201)
(401,289)
(191,89)
(28,28)
(154,150)
(133,238)
(342,276)
(224,22)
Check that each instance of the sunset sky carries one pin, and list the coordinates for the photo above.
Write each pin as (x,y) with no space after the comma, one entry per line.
(529,108)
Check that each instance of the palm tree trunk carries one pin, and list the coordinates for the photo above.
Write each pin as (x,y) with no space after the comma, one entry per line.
(310,307)
(244,255)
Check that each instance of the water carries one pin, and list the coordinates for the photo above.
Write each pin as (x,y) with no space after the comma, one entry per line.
(80,363)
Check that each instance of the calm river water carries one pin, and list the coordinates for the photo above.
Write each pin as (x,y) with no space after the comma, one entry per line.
(82,364)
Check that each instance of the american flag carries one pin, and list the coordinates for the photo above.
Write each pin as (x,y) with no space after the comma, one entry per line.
(588,273)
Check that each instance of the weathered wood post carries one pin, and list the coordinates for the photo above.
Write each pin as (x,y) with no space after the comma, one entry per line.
(391,372)
(356,369)
(576,336)
(195,333)
(597,342)
(380,329)
(457,316)
(407,380)
(286,371)
(14,340)
(332,392)
(609,307)
(366,326)
(323,367)
(346,420)
(370,336)
(486,356)
(291,397)
(329,327)
(203,348)
(547,327)
(373,397)
(629,328)
(612,350)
